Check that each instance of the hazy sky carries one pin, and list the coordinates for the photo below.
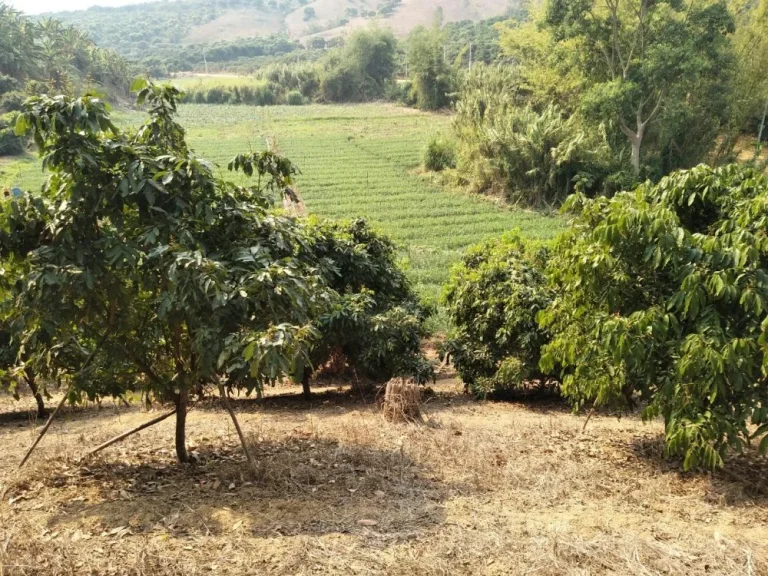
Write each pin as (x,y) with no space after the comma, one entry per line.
(37,6)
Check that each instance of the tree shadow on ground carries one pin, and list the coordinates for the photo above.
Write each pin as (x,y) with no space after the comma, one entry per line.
(742,482)
(19,417)
(304,485)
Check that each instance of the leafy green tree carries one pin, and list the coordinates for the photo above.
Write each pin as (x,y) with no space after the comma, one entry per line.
(652,69)
(544,71)
(430,74)
(662,295)
(364,69)
(375,321)
(493,298)
(157,273)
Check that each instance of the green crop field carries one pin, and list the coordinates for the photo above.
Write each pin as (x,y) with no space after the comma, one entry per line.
(355,161)
(214,80)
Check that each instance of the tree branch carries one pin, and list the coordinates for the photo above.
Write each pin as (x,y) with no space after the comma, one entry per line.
(653,112)
(628,132)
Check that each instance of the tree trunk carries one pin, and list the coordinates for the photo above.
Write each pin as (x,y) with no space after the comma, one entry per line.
(305,384)
(181,423)
(32,383)
(635,156)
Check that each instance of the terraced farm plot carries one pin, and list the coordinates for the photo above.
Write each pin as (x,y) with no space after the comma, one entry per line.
(356,161)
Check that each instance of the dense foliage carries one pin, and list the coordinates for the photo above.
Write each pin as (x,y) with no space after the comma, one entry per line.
(493,299)
(145,271)
(59,58)
(362,70)
(155,34)
(655,74)
(509,148)
(377,323)
(662,295)
(37,57)
(749,98)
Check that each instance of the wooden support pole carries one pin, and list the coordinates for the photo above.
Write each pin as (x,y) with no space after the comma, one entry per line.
(228,406)
(63,400)
(125,435)
(44,430)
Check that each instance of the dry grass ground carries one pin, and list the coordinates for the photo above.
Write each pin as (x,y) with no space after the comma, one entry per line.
(406,17)
(237,24)
(491,489)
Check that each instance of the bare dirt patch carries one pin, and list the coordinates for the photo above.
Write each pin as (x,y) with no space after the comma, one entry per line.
(482,489)
(237,24)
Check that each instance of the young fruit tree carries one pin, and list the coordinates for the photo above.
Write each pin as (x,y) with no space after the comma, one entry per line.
(375,321)
(493,298)
(136,269)
(145,270)
(661,295)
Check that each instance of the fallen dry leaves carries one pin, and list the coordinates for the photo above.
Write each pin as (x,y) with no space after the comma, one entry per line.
(491,489)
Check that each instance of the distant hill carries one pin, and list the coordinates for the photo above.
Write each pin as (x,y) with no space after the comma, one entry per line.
(142,30)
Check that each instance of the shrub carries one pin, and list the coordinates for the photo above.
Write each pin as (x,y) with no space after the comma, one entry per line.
(525,155)
(376,321)
(662,295)
(294,98)
(10,143)
(12,101)
(8,84)
(217,95)
(401,92)
(439,154)
(264,94)
(493,298)
(342,84)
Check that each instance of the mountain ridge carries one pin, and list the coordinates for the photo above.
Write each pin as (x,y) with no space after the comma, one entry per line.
(200,22)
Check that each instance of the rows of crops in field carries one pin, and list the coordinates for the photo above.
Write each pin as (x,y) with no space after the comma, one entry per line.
(358,161)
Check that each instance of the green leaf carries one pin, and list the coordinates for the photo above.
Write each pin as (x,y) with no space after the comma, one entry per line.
(139,84)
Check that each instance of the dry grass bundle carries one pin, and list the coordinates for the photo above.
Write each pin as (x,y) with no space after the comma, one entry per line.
(402,401)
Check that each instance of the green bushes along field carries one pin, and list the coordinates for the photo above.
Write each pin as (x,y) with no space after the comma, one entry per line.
(657,296)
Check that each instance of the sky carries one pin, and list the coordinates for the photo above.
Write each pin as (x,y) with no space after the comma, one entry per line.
(38,6)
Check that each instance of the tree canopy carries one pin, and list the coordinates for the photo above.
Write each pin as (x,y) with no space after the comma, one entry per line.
(662,294)
(655,71)
(146,272)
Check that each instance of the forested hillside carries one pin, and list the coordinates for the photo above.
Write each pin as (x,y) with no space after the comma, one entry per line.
(193,34)
(46,56)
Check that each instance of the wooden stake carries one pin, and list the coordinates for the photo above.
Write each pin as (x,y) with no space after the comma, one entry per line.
(228,406)
(125,435)
(45,429)
(589,417)
(64,399)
